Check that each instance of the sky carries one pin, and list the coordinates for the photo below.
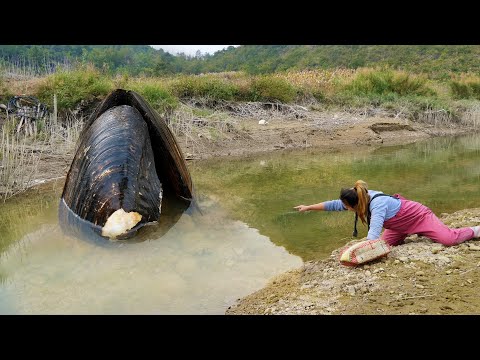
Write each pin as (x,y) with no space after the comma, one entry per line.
(191,49)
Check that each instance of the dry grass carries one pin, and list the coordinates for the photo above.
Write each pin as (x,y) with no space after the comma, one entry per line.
(191,124)
(316,78)
(19,163)
(22,153)
(471,116)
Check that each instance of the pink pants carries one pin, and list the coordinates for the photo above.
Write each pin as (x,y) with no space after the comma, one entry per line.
(415,218)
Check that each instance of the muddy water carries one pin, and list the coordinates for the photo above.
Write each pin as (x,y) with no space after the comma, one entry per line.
(442,173)
(201,265)
(247,231)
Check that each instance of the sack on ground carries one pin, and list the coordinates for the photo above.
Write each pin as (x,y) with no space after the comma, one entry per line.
(364,251)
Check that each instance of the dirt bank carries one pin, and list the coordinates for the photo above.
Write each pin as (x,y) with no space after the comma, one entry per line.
(244,136)
(320,130)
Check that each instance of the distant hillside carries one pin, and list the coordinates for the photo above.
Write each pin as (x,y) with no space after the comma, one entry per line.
(433,59)
(437,60)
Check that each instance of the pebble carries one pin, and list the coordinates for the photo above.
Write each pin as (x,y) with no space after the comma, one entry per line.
(419,273)
(437,249)
(444,258)
(473,247)
(419,286)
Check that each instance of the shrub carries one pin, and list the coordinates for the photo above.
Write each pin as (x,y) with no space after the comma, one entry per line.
(73,86)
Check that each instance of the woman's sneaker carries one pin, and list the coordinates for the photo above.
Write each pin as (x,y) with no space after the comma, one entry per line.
(476,231)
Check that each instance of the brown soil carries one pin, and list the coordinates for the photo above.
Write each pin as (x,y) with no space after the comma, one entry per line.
(319,131)
(419,277)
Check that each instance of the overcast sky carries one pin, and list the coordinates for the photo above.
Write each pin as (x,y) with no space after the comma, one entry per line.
(191,49)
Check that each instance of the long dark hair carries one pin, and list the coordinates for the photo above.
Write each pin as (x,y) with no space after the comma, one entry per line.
(358,198)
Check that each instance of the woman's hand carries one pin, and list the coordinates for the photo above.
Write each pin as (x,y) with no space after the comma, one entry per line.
(302,208)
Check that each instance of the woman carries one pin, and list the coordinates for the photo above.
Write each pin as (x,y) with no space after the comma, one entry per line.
(400,217)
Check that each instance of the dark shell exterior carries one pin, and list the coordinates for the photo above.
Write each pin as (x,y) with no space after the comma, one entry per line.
(128,158)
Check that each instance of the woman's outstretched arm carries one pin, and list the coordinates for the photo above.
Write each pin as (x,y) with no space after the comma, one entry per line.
(331,205)
(318,207)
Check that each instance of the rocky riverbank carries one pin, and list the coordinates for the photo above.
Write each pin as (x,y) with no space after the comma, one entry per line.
(418,277)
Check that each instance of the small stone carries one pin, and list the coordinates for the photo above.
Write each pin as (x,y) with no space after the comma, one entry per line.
(396,261)
(473,247)
(419,273)
(444,258)
(448,272)
(419,286)
(437,249)
(469,281)
(368,273)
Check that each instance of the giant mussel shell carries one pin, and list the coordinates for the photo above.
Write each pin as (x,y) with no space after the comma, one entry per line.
(127,161)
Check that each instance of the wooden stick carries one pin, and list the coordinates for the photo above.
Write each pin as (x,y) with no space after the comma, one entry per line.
(416,297)
(466,271)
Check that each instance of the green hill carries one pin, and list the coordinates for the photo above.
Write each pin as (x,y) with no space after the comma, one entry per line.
(436,60)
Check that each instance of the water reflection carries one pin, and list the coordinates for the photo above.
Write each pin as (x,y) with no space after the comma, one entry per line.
(442,173)
(172,209)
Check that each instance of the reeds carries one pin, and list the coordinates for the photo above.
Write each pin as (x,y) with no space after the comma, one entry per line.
(19,162)
(21,153)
